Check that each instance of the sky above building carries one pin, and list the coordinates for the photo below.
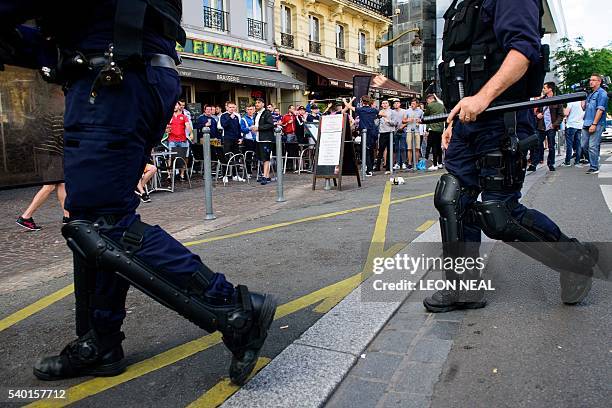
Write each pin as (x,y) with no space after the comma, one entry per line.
(590,19)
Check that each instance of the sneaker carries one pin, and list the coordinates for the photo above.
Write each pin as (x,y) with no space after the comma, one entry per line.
(238,178)
(183,178)
(440,166)
(369,174)
(551,168)
(269,180)
(591,171)
(225,180)
(531,168)
(410,167)
(403,166)
(263,181)
(396,166)
(432,168)
(564,164)
(387,172)
(28,223)
(65,220)
(144,197)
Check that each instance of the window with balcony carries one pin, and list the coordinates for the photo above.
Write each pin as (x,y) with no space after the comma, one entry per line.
(256,27)
(286,32)
(215,16)
(314,39)
(363,48)
(340,51)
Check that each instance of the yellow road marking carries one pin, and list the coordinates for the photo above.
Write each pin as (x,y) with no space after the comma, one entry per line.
(44,302)
(171,356)
(35,307)
(335,291)
(215,397)
(426,225)
(223,389)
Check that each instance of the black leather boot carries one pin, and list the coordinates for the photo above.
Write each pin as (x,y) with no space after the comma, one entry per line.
(246,346)
(91,354)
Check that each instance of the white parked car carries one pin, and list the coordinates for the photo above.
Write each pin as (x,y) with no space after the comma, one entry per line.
(606,136)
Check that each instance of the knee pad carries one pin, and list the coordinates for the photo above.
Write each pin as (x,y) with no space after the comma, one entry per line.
(446,201)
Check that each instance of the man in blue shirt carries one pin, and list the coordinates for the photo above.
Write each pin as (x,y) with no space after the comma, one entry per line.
(595,108)
(207,119)
(232,134)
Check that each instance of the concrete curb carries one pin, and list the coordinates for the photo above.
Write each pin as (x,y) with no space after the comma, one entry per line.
(307,372)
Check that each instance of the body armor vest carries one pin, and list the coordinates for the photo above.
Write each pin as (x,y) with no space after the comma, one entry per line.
(471,55)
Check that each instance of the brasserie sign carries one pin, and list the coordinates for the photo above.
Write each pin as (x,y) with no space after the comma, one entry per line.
(228,53)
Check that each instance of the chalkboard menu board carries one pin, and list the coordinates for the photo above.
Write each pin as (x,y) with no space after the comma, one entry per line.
(330,161)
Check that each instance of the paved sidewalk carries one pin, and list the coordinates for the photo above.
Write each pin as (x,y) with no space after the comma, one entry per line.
(404,361)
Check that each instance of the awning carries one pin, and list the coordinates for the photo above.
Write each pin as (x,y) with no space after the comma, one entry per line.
(340,77)
(195,68)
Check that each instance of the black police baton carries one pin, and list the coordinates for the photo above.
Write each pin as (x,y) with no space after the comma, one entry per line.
(512,107)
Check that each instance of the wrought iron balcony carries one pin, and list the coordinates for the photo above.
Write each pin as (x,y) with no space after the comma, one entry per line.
(256,29)
(216,19)
(340,53)
(286,40)
(382,7)
(314,47)
(363,59)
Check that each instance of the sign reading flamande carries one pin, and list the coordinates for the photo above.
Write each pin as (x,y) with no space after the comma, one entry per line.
(228,53)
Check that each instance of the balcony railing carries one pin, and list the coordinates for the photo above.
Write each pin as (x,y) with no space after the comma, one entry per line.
(256,29)
(340,53)
(382,7)
(216,19)
(314,47)
(363,59)
(286,40)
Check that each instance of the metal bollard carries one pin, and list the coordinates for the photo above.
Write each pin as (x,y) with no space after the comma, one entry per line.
(279,166)
(391,147)
(560,138)
(364,136)
(414,153)
(207,174)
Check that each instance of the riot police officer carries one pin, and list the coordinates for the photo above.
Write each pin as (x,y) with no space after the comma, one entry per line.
(493,54)
(118,56)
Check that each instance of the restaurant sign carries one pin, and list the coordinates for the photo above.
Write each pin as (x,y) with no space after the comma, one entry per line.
(228,53)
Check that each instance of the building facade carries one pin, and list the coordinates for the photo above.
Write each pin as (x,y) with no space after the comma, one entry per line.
(419,71)
(230,53)
(323,43)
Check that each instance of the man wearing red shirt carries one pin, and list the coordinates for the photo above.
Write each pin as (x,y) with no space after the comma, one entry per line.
(179,128)
(288,125)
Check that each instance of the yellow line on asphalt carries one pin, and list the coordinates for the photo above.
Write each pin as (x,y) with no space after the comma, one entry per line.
(223,389)
(215,397)
(44,302)
(425,226)
(35,307)
(171,356)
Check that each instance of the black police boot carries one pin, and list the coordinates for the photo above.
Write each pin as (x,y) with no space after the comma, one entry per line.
(91,354)
(576,286)
(246,346)
(448,300)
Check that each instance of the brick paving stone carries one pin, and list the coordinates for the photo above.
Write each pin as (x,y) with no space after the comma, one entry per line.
(377,365)
(358,392)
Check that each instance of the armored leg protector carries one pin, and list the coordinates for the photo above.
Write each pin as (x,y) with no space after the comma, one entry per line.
(575,261)
(447,201)
(243,318)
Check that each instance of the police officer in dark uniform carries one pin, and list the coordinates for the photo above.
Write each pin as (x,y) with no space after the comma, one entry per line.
(117,62)
(492,53)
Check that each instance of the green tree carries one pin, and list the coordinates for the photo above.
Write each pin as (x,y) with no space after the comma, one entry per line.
(575,63)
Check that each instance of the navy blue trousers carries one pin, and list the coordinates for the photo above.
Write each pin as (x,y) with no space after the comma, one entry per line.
(468,144)
(107,144)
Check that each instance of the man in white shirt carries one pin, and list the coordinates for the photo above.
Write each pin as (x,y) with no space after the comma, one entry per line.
(573,130)
(414,115)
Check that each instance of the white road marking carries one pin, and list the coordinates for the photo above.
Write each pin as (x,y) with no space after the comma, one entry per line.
(605,171)
(606,190)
